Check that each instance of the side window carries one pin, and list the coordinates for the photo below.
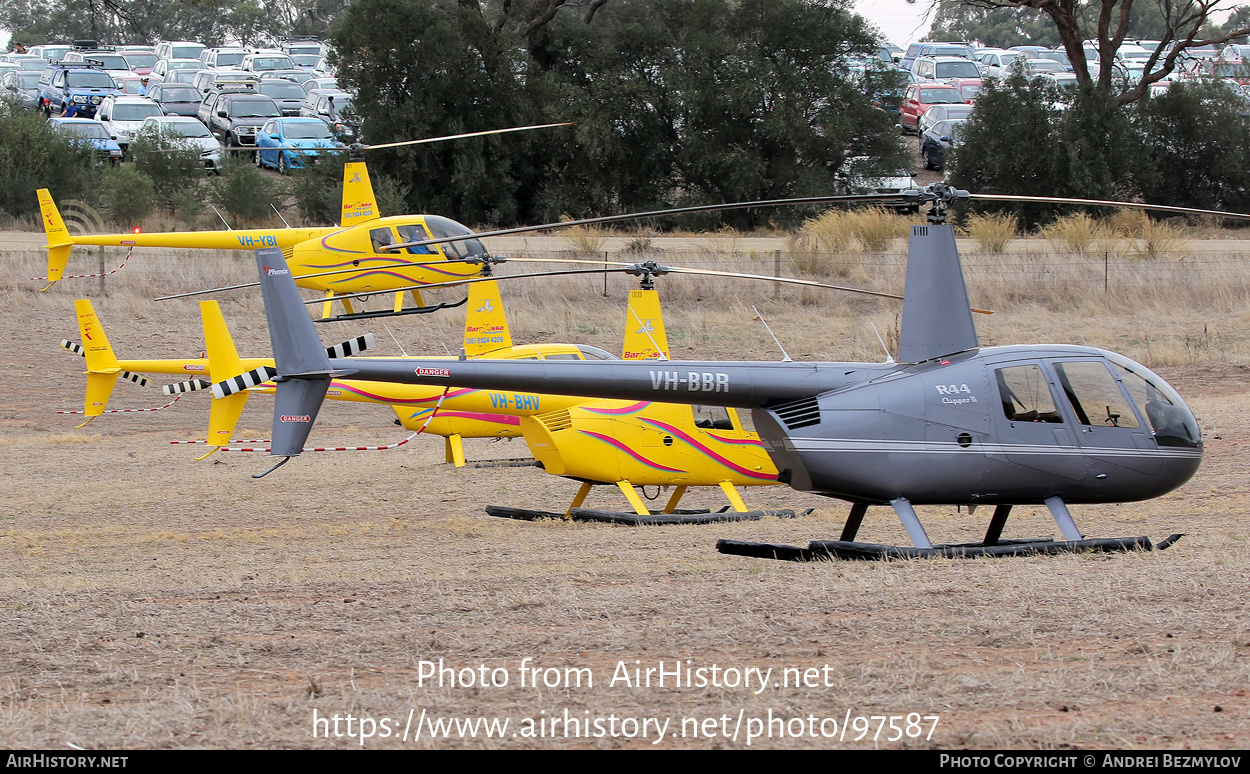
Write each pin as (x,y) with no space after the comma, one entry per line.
(743,419)
(1095,395)
(1026,395)
(380,237)
(711,418)
(562,356)
(415,233)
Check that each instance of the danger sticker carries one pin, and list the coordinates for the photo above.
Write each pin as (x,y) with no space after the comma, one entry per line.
(434,372)
(294,418)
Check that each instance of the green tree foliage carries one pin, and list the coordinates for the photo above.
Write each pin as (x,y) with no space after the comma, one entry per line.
(32,156)
(1189,146)
(1197,151)
(243,192)
(172,165)
(126,194)
(1000,27)
(675,101)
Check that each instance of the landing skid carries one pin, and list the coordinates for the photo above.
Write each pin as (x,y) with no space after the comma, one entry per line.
(680,516)
(819,550)
(392,313)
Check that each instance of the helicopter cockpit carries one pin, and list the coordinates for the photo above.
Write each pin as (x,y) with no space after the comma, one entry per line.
(1172,421)
(382,237)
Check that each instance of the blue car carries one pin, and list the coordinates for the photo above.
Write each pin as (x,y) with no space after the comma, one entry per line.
(293,143)
(89,132)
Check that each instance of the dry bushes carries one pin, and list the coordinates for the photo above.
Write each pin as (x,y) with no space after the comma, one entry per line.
(586,240)
(833,243)
(992,231)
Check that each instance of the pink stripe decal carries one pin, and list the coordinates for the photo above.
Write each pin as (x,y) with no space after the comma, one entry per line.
(397,401)
(738,441)
(497,419)
(612,441)
(727,463)
(631,409)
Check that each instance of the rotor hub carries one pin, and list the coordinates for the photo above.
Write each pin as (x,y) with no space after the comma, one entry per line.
(648,271)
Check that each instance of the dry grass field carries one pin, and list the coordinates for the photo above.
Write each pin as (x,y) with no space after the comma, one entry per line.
(153,601)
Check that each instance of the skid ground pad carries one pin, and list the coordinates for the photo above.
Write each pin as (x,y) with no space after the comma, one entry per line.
(681,516)
(819,550)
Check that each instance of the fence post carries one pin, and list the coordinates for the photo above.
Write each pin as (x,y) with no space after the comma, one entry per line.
(605,273)
(1106,270)
(776,273)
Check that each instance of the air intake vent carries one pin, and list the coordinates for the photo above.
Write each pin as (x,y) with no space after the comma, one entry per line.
(556,420)
(803,412)
(919,231)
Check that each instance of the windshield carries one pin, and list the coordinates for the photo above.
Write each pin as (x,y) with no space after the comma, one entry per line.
(27,80)
(89,79)
(1172,421)
(962,51)
(186,129)
(340,106)
(970,90)
(442,227)
(307,131)
(254,108)
(189,51)
(109,61)
(31,65)
(180,76)
(281,90)
(230,60)
(957,70)
(90,131)
(135,112)
(1231,70)
(941,96)
(141,60)
(272,63)
(180,94)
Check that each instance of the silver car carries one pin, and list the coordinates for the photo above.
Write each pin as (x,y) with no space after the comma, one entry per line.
(184,129)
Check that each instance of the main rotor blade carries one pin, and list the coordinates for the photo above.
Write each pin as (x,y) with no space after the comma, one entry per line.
(1107,203)
(466,134)
(655,214)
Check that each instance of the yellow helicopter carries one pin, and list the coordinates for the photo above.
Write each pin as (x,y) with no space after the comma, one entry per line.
(348,258)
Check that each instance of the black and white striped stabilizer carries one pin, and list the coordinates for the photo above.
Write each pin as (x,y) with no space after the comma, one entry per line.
(352,347)
(190,385)
(127,375)
(253,378)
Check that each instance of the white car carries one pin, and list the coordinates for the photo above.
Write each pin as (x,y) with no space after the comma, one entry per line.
(192,132)
(123,115)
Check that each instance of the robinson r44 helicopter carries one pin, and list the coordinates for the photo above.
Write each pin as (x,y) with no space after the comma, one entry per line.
(952,423)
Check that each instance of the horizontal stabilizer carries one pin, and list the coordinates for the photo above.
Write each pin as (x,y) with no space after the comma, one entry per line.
(127,375)
(253,378)
(351,347)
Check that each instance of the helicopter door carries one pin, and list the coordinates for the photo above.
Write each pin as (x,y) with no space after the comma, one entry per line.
(1110,432)
(1030,427)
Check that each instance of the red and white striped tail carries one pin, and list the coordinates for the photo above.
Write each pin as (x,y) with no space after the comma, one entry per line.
(395,445)
(105,274)
(126,411)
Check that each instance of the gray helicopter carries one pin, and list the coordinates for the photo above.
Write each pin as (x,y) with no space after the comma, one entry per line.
(952,423)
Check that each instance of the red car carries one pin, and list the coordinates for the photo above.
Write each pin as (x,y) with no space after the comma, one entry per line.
(919,97)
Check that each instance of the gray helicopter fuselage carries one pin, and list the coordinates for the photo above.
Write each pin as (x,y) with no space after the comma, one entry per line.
(990,425)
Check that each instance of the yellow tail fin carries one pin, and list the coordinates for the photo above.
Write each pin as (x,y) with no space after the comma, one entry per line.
(223,363)
(358,202)
(59,240)
(645,338)
(102,366)
(485,324)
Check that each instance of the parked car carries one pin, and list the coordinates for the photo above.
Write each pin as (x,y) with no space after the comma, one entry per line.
(259,61)
(179,49)
(862,175)
(936,139)
(175,98)
(943,113)
(85,84)
(123,114)
(89,132)
(942,68)
(189,131)
(919,97)
(234,116)
(287,94)
(22,88)
(292,143)
(333,107)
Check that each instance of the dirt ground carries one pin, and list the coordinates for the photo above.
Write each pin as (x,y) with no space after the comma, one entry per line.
(154,601)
